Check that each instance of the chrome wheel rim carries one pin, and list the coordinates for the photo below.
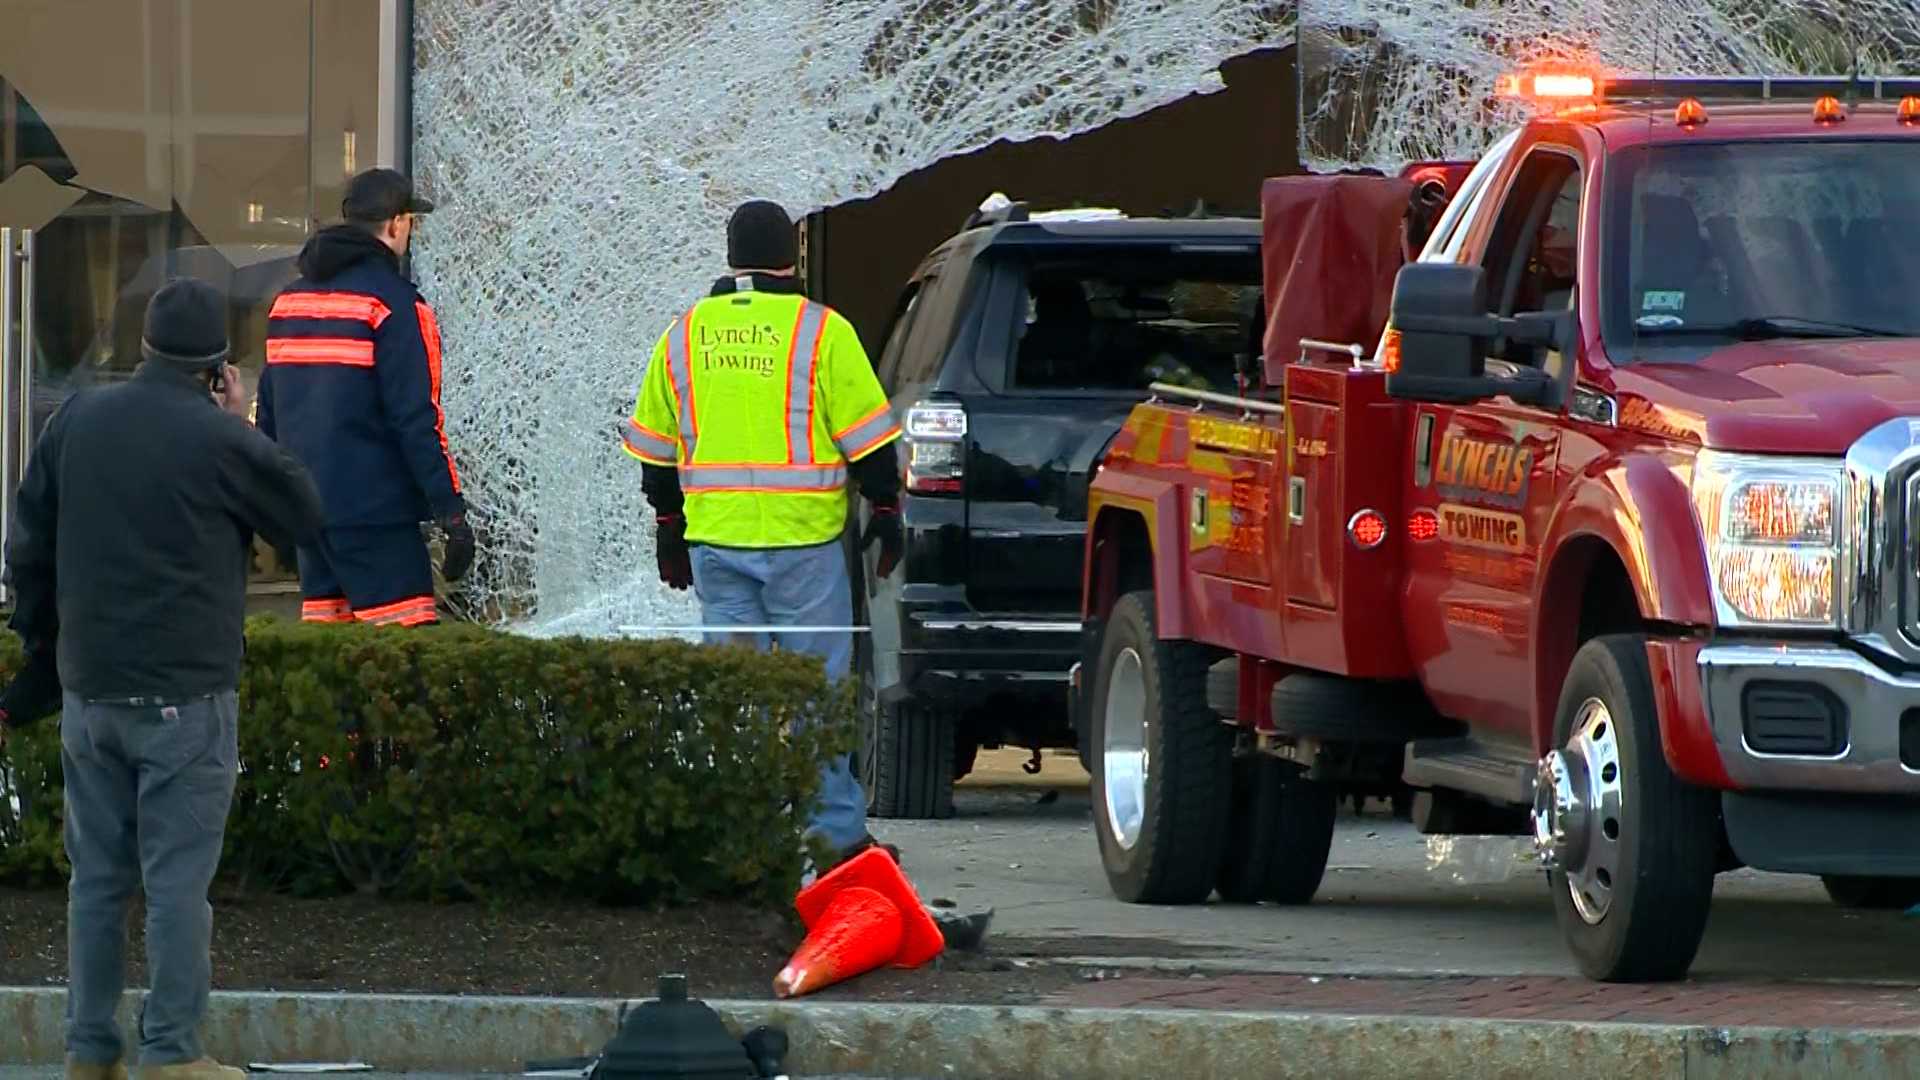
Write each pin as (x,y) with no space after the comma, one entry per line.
(1577,811)
(1123,756)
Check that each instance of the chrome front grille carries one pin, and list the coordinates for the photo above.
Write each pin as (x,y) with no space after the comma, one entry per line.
(1880,558)
(1903,564)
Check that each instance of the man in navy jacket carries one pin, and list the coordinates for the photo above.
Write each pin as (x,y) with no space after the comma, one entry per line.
(352,388)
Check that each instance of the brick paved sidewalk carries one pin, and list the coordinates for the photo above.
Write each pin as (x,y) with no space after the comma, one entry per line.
(1704,1004)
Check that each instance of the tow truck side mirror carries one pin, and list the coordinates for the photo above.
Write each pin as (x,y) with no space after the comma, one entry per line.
(1440,312)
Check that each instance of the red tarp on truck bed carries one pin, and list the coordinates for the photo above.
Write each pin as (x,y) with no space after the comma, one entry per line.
(1330,246)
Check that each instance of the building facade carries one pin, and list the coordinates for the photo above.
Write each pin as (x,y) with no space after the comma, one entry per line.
(143,139)
(584,155)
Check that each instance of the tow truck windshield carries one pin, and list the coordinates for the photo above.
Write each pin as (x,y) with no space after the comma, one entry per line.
(1717,243)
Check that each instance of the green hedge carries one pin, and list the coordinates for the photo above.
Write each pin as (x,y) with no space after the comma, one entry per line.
(457,761)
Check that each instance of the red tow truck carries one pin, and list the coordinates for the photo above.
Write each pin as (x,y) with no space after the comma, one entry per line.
(1605,531)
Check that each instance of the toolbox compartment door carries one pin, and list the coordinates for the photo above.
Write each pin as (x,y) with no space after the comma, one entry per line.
(1313,501)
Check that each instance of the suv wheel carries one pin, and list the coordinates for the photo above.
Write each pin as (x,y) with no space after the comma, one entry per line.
(906,757)
(1163,763)
(1634,848)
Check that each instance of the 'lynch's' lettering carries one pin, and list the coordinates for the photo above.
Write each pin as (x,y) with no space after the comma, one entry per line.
(1494,468)
(764,334)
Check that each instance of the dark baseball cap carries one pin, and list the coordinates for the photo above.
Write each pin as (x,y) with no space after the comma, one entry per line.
(381,195)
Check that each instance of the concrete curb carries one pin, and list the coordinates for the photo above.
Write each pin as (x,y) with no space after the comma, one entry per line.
(970,1042)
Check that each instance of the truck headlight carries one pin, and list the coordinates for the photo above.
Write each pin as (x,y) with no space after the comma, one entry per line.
(1772,529)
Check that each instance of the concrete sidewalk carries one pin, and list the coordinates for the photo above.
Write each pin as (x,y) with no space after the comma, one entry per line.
(1383,909)
(478,1035)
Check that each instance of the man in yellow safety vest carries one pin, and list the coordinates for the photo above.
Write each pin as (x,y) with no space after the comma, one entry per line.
(757,408)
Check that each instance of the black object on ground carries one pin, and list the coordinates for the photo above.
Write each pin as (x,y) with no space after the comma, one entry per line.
(967,933)
(767,1046)
(673,1038)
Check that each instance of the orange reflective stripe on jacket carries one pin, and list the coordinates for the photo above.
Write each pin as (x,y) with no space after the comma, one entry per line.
(348,352)
(409,612)
(349,307)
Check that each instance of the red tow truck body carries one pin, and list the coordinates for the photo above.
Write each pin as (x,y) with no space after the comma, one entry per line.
(1604,532)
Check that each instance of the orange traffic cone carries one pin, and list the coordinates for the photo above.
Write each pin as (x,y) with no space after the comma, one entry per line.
(862,915)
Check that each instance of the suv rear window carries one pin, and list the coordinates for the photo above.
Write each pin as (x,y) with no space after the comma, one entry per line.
(1130,317)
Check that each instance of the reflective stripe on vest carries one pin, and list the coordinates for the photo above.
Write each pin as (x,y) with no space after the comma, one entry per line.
(866,434)
(758,478)
(803,363)
(680,367)
(646,443)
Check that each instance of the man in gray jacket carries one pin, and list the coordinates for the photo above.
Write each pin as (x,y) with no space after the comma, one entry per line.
(129,553)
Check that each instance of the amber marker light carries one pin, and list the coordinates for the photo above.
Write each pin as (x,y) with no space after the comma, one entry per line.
(1390,351)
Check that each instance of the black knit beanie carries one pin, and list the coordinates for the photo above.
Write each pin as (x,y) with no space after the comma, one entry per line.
(186,325)
(760,237)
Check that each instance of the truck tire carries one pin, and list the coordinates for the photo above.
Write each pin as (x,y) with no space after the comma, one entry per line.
(1301,826)
(1279,834)
(1872,893)
(906,758)
(1242,877)
(1163,763)
(1636,875)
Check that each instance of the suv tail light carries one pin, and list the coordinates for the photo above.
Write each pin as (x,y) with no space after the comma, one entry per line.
(936,439)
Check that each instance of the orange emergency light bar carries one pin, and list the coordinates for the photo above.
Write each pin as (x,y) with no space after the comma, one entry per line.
(1560,86)
(1551,86)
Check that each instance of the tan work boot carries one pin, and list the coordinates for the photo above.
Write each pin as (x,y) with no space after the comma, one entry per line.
(80,1070)
(204,1069)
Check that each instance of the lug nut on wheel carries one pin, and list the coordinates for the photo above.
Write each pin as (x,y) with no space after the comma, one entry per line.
(1559,815)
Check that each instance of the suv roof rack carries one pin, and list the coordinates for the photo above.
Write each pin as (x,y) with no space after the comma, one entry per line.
(996,210)
(1081,213)
(1000,210)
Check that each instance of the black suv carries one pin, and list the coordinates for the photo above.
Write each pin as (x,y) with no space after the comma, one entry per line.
(1013,356)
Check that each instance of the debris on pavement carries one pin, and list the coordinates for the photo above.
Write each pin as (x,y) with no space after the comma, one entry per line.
(968,933)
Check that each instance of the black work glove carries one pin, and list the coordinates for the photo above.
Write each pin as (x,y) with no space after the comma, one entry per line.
(34,692)
(459,557)
(884,526)
(670,548)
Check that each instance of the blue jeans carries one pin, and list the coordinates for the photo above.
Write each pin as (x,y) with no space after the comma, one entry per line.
(791,587)
(148,790)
